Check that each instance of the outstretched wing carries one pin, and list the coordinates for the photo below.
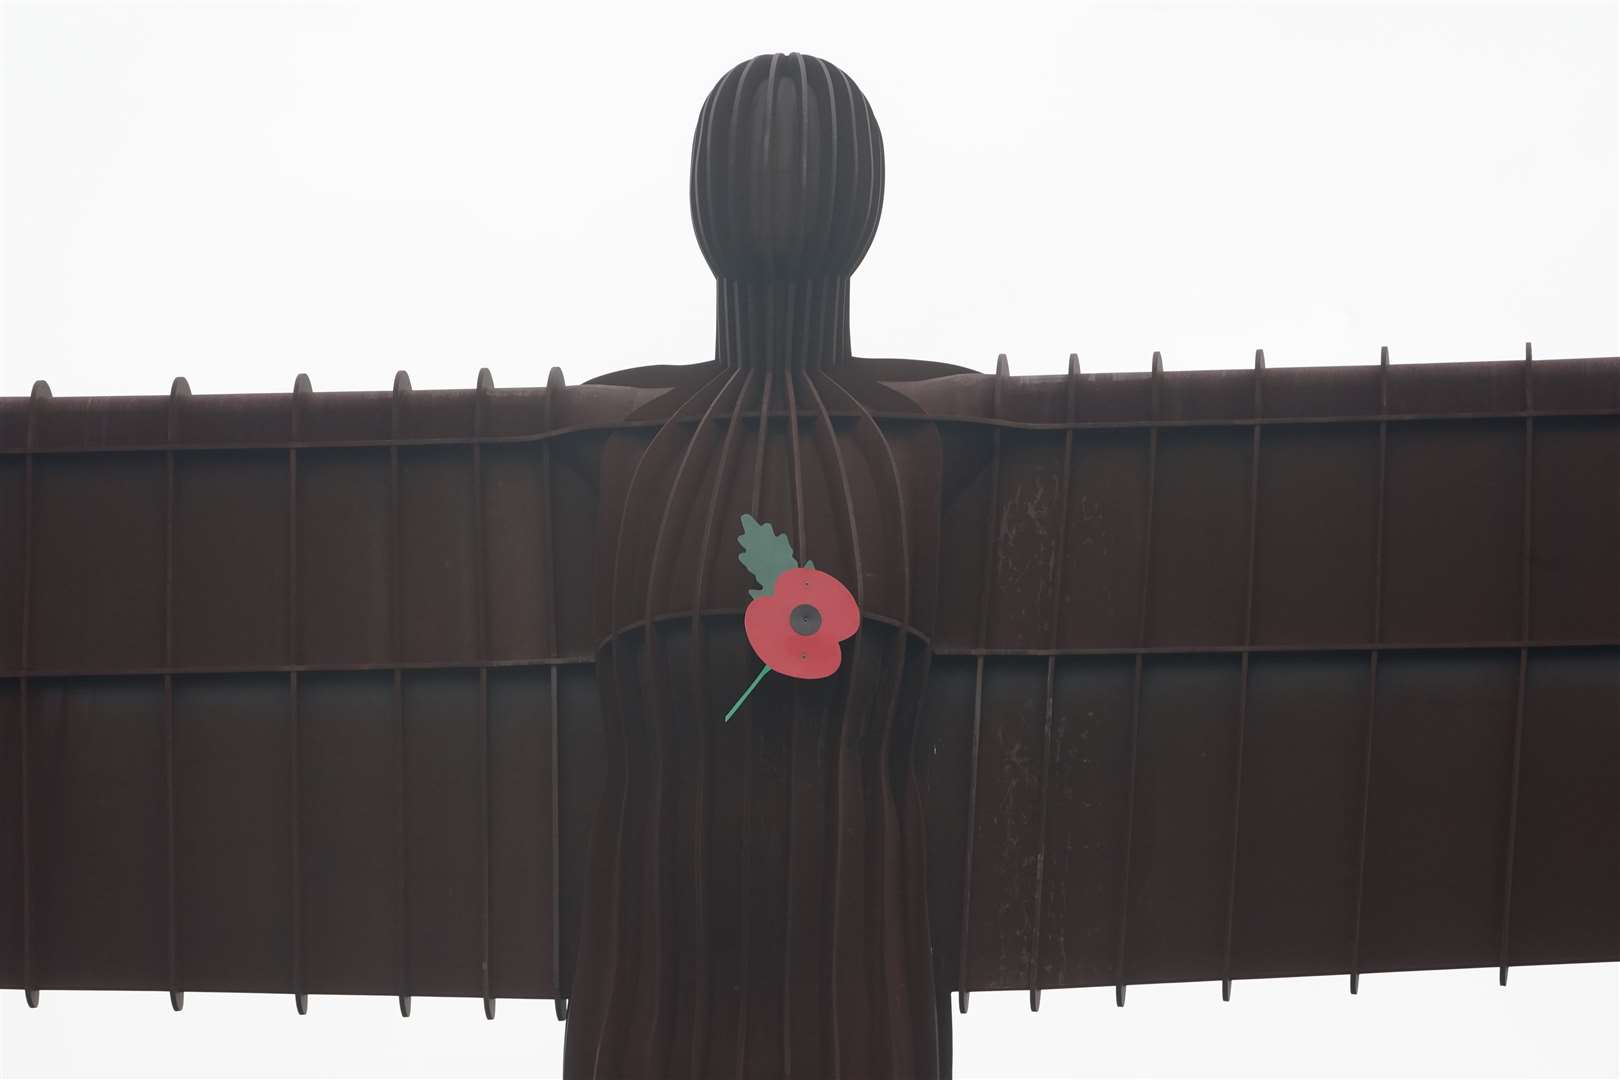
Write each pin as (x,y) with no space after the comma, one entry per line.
(1331,691)
(296,689)
(1334,691)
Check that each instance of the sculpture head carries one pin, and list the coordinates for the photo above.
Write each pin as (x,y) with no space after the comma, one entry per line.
(787,172)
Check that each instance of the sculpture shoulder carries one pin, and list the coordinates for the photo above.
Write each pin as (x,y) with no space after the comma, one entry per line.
(656,390)
(895,369)
(948,391)
(958,394)
(654,376)
(882,384)
(598,405)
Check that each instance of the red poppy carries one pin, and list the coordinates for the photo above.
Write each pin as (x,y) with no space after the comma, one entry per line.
(796,628)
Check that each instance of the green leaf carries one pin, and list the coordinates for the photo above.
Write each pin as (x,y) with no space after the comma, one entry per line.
(766,553)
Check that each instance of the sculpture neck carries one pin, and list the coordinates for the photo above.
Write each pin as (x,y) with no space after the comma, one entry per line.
(802,324)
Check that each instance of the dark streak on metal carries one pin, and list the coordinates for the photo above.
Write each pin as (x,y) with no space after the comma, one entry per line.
(554,392)
(486,383)
(1372,671)
(40,392)
(301,389)
(1527,506)
(1243,674)
(1058,555)
(402,387)
(1136,686)
(177,392)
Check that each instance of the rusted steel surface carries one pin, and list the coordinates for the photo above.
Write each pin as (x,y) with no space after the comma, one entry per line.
(1161,676)
(89,520)
(1471,552)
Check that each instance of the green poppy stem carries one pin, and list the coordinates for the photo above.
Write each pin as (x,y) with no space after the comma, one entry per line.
(750,690)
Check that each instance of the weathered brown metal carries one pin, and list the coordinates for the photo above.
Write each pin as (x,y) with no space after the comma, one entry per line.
(317,693)
(1372,670)
(179,391)
(1143,610)
(1051,673)
(402,386)
(1525,543)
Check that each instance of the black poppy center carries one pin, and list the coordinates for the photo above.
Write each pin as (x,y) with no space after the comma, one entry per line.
(805,619)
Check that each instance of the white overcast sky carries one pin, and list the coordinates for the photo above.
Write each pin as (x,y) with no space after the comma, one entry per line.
(240,193)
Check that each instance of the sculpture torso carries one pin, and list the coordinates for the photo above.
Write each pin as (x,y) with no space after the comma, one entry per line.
(754,881)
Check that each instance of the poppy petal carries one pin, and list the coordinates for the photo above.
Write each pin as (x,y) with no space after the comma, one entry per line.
(840,617)
(815,656)
(766,623)
(801,656)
